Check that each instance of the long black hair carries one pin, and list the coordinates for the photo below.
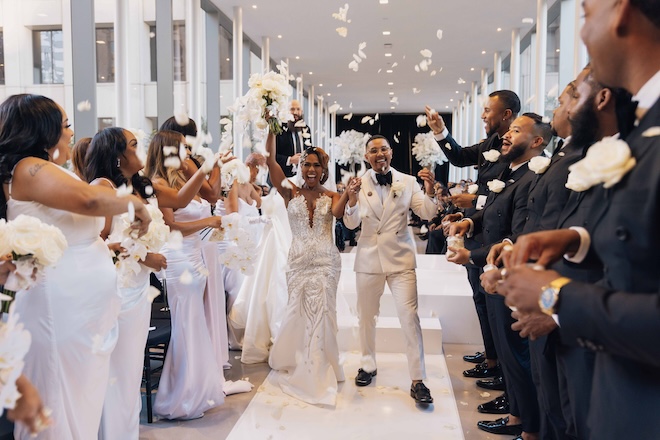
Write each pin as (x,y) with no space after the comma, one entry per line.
(29,126)
(102,160)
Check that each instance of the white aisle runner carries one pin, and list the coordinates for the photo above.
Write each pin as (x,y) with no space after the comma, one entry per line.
(383,410)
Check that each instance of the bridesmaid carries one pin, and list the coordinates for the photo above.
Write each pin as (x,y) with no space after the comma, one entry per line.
(192,379)
(72,310)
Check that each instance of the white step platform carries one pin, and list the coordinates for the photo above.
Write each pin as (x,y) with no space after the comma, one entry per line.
(445,308)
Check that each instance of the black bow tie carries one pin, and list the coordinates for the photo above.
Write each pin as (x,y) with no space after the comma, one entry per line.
(384,179)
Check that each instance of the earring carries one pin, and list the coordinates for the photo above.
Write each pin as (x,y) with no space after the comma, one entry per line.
(118,162)
(322,175)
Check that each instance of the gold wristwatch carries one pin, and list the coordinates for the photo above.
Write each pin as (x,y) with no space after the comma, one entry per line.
(550,294)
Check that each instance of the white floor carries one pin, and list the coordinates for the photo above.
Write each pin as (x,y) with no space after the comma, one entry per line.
(382,410)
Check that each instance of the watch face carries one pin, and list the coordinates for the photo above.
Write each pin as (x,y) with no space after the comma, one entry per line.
(548,298)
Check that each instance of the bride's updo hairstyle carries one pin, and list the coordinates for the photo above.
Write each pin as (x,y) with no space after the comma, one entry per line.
(102,160)
(29,126)
(323,159)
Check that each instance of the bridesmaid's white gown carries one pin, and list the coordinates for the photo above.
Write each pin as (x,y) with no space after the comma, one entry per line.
(71,313)
(261,302)
(192,380)
(305,351)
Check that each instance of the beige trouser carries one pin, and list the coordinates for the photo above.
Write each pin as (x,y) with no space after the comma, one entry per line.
(370,287)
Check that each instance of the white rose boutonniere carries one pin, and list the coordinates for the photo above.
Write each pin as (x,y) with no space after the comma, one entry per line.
(651,132)
(539,164)
(472,189)
(397,188)
(606,162)
(492,155)
(496,185)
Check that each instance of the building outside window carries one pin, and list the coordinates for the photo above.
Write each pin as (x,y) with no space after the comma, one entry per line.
(2,59)
(178,55)
(105,55)
(48,56)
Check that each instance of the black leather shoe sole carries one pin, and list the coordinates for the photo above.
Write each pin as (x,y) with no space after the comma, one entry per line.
(363,378)
(499,427)
(503,409)
(477,358)
(496,384)
(479,372)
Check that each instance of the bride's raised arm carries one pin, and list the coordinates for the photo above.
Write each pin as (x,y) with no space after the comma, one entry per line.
(277,176)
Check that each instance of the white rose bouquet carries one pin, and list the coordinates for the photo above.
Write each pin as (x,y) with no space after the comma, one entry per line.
(136,248)
(238,255)
(14,345)
(266,103)
(33,246)
(427,151)
(349,147)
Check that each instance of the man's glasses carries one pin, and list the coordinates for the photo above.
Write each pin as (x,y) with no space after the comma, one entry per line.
(374,151)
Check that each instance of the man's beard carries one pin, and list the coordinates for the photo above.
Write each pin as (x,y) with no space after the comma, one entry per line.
(584,125)
(514,153)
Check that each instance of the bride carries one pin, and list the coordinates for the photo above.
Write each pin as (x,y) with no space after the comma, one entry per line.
(305,351)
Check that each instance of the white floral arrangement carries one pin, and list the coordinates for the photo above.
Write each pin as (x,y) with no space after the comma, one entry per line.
(234,170)
(539,164)
(239,254)
(427,151)
(33,245)
(496,185)
(14,345)
(606,162)
(266,103)
(492,155)
(349,147)
(397,188)
(473,188)
(136,248)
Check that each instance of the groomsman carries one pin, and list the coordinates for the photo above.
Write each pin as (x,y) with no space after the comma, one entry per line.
(618,318)
(386,254)
(501,108)
(504,216)
(292,141)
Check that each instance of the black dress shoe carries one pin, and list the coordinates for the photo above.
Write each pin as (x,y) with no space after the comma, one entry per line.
(499,426)
(363,378)
(496,383)
(499,405)
(482,370)
(421,394)
(476,358)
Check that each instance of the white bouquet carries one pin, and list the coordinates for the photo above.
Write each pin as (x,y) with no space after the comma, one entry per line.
(349,147)
(239,253)
(234,170)
(33,246)
(427,151)
(136,248)
(14,345)
(266,103)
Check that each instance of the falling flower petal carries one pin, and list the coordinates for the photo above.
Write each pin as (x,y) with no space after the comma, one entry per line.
(484,394)
(348,116)
(186,277)
(365,119)
(371,121)
(426,53)
(651,132)
(421,120)
(333,108)
(172,162)
(350,105)
(424,65)
(131,212)
(416,67)
(286,183)
(210,402)
(152,293)
(168,151)
(439,34)
(56,154)
(353,65)
(362,54)
(182,118)
(433,72)
(224,121)
(341,15)
(394,64)
(183,152)
(461,81)
(124,190)
(416,90)
(306,135)
(377,117)
(342,31)
(396,139)
(357,58)
(339,85)
(97,342)
(84,106)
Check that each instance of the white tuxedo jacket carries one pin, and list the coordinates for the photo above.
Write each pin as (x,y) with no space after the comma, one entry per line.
(385,243)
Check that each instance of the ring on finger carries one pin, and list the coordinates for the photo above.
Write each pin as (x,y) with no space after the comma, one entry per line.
(503,272)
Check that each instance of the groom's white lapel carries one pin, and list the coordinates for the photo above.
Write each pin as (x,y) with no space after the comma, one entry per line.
(390,200)
(371,194)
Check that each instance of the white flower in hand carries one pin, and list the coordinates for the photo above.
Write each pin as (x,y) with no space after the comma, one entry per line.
(492,155)
(539,164)
(397,188)
(472,189)
(606,162)
(496,185)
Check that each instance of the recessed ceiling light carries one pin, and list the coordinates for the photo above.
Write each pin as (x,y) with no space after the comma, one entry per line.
(100,42)
(329,94)
(392,107)
(384,2)
(446,106)
(391,93)
(499,29)
(390,83)
(254,6)
(227,59)
(311,73)
(389,71)
(483,52)
(472,69)
(386,32)
(341,108)
(279,36)
(528,20)
(297,57)
(451,99)
(320,85)
(557,50)
(388,54)
(456,91)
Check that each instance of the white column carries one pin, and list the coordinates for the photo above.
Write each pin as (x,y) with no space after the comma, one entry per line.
(265,54)
(474,116)
(467,128)
(310,115)
(497,71)
(455,121)
(330,135)
(514,68)
(567,38)
(316,136)
(122,64)
(579,49)
(195,45)
(237,54)
(541,55)
(300,92)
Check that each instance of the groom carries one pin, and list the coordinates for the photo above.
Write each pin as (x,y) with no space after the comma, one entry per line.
(386,253)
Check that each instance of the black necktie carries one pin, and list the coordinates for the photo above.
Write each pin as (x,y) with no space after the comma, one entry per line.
(505,174)
(560,144)
(625,118)
(296,140)
(384,179)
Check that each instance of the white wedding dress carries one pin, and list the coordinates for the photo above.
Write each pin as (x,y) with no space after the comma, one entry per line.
(192,380)
(71,313)
(261,301)
(305,351)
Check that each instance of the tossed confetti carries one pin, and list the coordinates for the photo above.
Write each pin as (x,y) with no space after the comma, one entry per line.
(84,106)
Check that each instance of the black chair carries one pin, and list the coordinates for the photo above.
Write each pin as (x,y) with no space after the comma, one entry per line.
(155,351)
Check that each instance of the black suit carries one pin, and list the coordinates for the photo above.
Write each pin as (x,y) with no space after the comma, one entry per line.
(487,171)
(547,197)
(619,318)
(504,216)
(285,147)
